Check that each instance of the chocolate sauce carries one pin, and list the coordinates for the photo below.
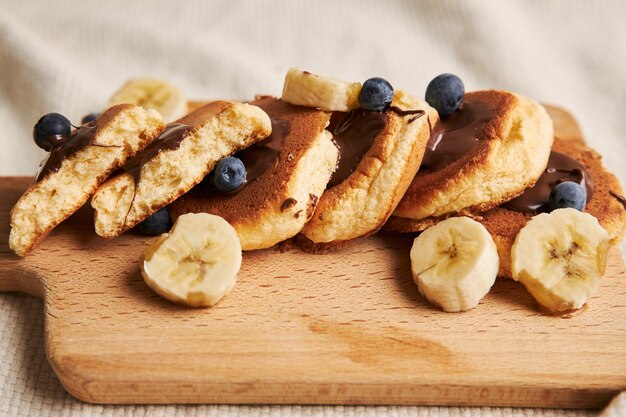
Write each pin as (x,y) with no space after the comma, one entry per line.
(262,156)
(560,168)
(81,137)
(169,139)
(417,113)
(288,203)
(619,198)
(455,134)
(353,134)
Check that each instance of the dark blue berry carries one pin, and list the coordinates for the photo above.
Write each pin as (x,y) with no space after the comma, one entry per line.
(229,175)
(567,194)
(376,94)
(156,224)
(89,118)
(51,131)
(445,93)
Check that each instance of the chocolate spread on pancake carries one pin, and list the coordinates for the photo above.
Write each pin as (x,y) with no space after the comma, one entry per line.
(169,139)
(560,168)
(353,134)
(288,203)
(81,137)
(262,156)
(619,198)
(417,113)
(455,134)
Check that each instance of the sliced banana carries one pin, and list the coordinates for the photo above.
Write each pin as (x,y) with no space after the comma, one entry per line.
(305,89)
(196,263)
(153,93)
(560,258)
(454,263)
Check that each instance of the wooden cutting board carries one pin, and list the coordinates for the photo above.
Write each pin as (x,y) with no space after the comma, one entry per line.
(342,328)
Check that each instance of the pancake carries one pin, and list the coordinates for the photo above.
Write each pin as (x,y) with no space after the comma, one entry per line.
(73,171)
(503,223)
(486,153)
(366,189)
(286,174)
(179,159)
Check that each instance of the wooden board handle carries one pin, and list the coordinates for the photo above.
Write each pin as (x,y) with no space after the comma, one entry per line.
(14,278)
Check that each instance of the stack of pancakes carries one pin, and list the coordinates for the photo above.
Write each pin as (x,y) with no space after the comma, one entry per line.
(329,177)
(486,198)
(471,163)
(336,176)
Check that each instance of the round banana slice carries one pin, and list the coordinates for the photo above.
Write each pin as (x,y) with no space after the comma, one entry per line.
(152,93)
(196,263)
(560,258)
(454,263)
(305,89)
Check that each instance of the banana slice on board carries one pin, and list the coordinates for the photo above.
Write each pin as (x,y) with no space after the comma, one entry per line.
(305,89)
(560,258)
(454,263)
(153,93)
(196,263)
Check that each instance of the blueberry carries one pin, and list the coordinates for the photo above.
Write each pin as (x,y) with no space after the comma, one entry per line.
(89,118)
(376,94)
(229,175)
(567,194)
(445,93)
(51,131)
(156,224)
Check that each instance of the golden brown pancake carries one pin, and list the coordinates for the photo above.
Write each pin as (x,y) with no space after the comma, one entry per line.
(176,161)
(492,149)
(108,142)
(363,198)
(606,204)
(282,196)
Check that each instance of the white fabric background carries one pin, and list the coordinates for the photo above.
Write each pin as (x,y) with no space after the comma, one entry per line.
(69,56)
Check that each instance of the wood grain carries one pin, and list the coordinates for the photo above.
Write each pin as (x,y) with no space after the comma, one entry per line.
(344,328)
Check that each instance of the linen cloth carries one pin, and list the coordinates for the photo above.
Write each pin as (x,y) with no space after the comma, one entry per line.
(69,56)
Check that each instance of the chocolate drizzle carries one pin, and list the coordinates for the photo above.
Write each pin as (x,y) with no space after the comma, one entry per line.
(81,137)
(455,135)
(619,198)
(560,168)
(416,113)
(288,203)
(353,134)
(169,139)
(262,156)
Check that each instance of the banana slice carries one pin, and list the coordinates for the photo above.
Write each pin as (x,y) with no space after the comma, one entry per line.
(560,258)
(305,89)
(196,263)
(454,263)
(153,93)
